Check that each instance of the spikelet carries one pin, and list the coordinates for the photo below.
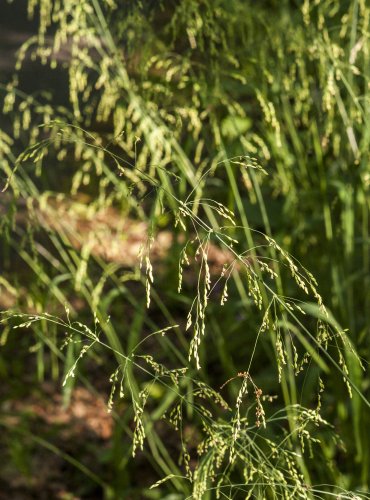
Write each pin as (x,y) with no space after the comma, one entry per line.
(253,287)
(139,432)
(183,260)
(201,302)
(72,371)
(144,257)
(114,380)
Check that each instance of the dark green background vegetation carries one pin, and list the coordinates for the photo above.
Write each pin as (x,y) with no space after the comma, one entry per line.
(115,113)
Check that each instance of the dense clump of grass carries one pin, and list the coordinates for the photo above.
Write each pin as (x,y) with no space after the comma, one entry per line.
(234,134)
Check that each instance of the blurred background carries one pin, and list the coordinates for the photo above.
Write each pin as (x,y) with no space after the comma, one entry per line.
(103,101)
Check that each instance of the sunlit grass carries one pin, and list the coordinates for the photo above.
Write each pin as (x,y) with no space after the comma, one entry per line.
(236,135)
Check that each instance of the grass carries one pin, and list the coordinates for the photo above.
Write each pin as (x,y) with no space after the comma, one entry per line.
(238,136)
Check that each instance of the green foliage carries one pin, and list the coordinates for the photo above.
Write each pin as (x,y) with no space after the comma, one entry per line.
(241,129)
